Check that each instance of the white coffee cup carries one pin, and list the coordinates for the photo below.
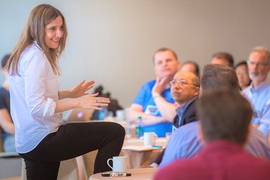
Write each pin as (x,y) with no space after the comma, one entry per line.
(120,115)
(149,138)
(119,163)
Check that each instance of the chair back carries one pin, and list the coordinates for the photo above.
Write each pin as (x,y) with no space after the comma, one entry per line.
(89,161)
(68,170)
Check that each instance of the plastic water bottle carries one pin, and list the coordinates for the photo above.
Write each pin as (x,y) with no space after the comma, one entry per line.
(139,127)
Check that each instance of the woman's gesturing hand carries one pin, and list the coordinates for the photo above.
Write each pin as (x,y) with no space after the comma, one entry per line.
(81,89)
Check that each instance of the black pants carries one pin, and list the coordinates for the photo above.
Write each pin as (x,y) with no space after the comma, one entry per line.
(159,157)
(72,140)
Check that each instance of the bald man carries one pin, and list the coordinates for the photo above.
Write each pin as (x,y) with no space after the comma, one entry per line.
(185,88)
(184,142)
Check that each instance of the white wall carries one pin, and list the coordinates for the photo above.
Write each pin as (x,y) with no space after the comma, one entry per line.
(112,41)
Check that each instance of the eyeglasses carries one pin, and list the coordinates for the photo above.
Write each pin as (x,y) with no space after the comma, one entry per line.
(181,83)
(258,64)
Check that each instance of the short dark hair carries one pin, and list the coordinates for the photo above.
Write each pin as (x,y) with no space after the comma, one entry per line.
(197,69)
(244,62)
(224,55)
(165,49)
(224,115)
(219,76)
(4,60)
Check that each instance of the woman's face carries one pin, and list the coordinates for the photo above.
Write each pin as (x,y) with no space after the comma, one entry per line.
(54,32)
(243,77)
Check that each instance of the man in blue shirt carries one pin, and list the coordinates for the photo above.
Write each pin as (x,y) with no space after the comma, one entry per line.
(184,143)
(154,102)
(258,93)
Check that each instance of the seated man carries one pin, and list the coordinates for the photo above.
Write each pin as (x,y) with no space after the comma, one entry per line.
(184,90)
(191,66)
(6,122)
(223,58)
(258,93)
(184,142)
(224,129)
(154,102)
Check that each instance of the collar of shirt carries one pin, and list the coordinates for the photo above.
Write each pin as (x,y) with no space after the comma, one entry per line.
(36,44)
(181,109)
(260,88)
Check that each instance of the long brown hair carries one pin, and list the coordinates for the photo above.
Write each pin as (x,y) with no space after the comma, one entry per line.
(34,29)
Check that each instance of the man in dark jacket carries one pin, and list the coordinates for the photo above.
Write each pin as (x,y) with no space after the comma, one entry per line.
(185,88)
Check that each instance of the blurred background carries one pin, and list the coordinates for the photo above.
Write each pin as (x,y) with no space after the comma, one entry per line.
(113,41)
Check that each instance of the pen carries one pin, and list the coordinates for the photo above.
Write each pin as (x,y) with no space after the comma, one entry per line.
(156,146)
(114,174)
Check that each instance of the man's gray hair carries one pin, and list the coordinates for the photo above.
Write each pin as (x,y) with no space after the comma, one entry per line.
(262,49)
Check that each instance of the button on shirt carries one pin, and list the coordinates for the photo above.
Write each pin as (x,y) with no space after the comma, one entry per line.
(33,94)
(259,98)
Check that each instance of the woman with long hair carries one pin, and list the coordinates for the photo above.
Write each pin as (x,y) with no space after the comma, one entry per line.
(42,138)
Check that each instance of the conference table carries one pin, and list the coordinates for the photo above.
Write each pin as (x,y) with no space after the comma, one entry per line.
(136,174)
(140,156)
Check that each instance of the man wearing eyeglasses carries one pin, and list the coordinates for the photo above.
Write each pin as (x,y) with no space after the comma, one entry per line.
(224,130)
(184,143)
(258,93)
(185,88)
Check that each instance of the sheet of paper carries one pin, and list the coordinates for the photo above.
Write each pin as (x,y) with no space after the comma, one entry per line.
(138,148)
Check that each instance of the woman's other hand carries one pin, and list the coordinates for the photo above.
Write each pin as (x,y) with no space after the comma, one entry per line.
(93,102)
(81,89)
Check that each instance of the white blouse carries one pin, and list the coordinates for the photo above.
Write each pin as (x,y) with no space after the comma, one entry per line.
(33,94)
